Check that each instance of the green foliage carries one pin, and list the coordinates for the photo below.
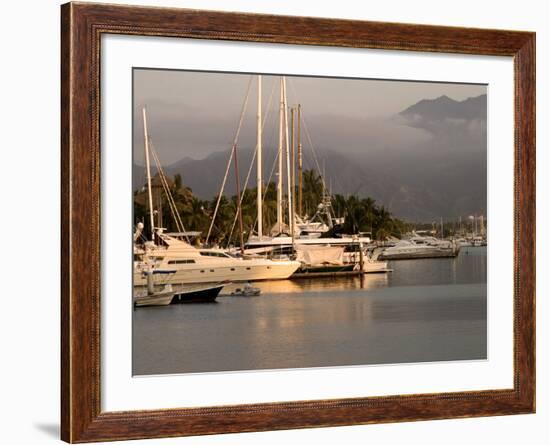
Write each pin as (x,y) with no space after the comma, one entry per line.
(361,214)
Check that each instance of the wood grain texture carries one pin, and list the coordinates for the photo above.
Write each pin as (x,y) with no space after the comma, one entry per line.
(81,28)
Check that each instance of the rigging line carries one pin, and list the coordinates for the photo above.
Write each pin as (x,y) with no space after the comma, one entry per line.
(163,183)
(172,205)
(235,139)
(250,168)
(159,172)
(268,182)
(270,139)
(309,137)
(171,201)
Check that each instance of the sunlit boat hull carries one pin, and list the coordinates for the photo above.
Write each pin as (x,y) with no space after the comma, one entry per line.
(412,255)
(188,274)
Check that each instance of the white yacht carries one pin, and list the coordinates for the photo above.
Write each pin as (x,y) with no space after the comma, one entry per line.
(174,261)
(371,262)
(283,243)
(479,241)
(186,264)
(405,250)
(430,241)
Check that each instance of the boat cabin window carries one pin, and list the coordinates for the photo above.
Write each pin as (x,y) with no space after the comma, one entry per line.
(181,262)
(214,254)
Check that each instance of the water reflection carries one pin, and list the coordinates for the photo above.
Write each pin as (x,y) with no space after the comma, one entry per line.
(302,285)
(426,310)
(470,266)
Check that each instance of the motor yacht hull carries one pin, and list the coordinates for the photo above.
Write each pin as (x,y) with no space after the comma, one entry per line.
(413,255)
(198,294)
(188,274)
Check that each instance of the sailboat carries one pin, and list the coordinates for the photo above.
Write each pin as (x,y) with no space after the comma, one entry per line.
(186,264)
(299,234)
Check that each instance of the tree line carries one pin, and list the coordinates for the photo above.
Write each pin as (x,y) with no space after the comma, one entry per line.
(361,214)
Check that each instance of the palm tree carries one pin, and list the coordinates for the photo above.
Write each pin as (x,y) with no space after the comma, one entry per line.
(384,223)
(194,217)
(312,191)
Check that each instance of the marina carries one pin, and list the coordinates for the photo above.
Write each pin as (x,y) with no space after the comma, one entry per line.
(285,273)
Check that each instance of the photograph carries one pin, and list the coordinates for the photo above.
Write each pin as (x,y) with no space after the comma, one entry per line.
(290,222)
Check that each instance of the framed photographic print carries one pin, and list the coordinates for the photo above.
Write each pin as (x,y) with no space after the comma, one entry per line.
(275,222)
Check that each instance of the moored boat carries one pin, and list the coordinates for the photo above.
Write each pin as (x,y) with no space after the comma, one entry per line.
(198,294)
(192,265)
(246,291)
(407,250)
(163,298)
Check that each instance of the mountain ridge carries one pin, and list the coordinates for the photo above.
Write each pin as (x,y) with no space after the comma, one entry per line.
(444,176)
(443,107)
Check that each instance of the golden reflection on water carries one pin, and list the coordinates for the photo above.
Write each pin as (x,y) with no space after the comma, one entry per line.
(368,281)
(432,310)
(294,323)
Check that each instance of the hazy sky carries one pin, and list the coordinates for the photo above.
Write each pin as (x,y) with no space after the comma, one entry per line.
(192,114)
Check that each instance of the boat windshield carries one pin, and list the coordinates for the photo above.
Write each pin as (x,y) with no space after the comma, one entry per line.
(214,254)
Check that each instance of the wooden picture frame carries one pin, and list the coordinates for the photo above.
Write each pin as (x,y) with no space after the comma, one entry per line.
(82,26)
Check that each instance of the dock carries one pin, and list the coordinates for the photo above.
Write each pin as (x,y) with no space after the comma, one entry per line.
(344,273)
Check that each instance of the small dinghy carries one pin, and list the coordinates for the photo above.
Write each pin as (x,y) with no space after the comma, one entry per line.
(246,291)
(162,298)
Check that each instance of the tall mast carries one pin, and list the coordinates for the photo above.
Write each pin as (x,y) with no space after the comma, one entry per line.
(280,162)
(293,169)
(239,208)
(148,170)
(287,146)
(299,163)
(292,149)
(259,160)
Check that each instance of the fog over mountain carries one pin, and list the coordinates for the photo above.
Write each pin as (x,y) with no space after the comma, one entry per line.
(424,161)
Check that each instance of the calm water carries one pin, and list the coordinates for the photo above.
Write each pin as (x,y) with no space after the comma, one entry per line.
(425,310)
